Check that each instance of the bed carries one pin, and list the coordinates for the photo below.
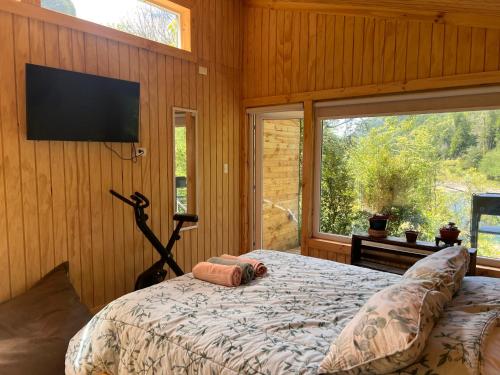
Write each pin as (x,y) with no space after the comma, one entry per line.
(283,323)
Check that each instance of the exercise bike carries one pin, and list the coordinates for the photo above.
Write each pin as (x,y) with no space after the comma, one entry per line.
(156,273)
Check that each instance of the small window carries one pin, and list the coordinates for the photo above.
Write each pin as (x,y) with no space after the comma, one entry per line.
(161,21)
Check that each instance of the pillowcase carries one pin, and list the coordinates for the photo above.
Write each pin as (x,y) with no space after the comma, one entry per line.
(445,268)
(458,345)
(35,327)
(389,332)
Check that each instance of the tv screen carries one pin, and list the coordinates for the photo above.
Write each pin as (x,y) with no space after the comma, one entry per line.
(69,106)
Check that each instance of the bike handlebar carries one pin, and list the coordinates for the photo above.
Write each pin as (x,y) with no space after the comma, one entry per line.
(122,198)
(138,200)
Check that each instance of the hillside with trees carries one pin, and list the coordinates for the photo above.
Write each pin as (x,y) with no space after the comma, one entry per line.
(420,169)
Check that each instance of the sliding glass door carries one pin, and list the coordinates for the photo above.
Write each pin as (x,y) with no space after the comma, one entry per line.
(277,180)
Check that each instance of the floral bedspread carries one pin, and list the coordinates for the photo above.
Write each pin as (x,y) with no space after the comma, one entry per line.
(283,323)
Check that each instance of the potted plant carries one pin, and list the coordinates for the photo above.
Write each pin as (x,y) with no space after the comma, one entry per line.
(449,233)
(411,235)
(379,222)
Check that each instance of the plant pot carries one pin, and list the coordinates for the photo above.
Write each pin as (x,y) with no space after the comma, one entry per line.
(411,236)
(378,222)
(449,235)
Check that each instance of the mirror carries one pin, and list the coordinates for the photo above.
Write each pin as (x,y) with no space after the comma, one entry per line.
(185,170)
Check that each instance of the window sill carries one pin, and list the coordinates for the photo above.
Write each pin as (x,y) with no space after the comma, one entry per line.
(345,249)
(45,15)
(487,271)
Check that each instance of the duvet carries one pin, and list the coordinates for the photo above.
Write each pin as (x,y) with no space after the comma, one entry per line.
(283,323)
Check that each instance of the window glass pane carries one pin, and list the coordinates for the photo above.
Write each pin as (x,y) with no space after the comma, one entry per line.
(423,170)
(131,16)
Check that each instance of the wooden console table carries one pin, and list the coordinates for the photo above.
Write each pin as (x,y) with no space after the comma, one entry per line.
(395,255)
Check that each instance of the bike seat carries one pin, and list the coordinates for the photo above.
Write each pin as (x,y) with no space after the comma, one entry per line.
(191,218)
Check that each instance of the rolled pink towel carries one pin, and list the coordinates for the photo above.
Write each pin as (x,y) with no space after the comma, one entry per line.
(259,267)
(218,273)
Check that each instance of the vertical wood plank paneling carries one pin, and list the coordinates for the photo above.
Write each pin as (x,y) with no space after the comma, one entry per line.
(339,52)
(106,180)
(42,164)
(56,160)
(329,51)
(273,28)
(477,50)
(492,55)
(389,51)
(464,49)
(437,50)
(412,52)
(378,51)
(312,52)
(54,196)
(303,52)
(357,68)
(117,182)
(450,50)
(11,165)
(280,51)
(289,50)
(264,62)
(83,175)
(101,288)
(401,50)
(5,290)
(348,51)
(424,50)
(368,45)
(27,156)
(71,176)
(126,186)
(320,52)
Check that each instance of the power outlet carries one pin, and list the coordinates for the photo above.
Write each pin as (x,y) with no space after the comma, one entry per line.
(140,152)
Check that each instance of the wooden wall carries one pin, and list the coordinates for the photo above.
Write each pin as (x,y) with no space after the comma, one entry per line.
(306,51)
(54,199)
(293,51)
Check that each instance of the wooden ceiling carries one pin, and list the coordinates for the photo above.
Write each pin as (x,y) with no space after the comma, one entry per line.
(484,13)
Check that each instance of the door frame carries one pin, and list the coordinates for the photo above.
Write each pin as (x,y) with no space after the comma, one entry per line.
(256,119)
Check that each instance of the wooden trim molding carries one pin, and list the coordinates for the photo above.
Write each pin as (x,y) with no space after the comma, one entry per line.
(45,15)
(443,14)
(425,84)
(307,175)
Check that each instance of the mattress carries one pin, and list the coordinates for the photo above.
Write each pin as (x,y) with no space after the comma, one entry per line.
(283,323)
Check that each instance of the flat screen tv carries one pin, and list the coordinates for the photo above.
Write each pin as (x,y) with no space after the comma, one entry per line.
(69,106)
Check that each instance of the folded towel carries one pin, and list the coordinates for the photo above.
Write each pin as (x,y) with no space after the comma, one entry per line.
(247,271)
(218,273)
(259,267)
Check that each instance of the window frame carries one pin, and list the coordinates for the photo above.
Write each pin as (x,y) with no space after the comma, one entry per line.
(186,9)
(478,98)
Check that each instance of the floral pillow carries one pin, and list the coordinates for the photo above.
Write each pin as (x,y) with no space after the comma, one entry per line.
(456,344)
(389,332)
(445,268)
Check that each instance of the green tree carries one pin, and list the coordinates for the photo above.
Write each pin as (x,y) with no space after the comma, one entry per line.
(151,22)
(462,138)
(337,188)
(62,6)
(490,165)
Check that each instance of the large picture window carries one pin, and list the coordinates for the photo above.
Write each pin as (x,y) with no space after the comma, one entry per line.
(161,21)
(423,169)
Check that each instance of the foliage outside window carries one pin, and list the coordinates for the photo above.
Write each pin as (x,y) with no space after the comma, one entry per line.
(141,18)
(421,169)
